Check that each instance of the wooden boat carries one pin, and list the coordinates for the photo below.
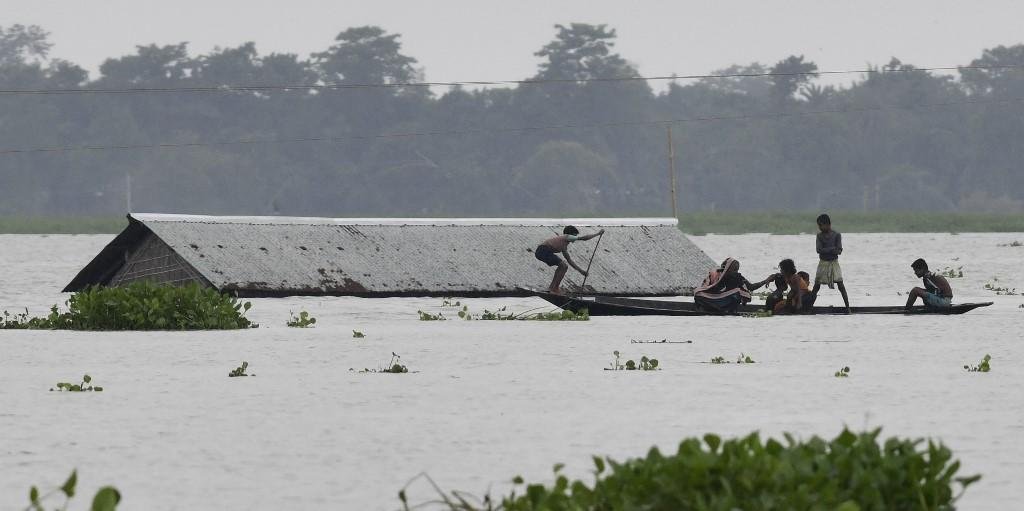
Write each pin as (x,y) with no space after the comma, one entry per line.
(613,306)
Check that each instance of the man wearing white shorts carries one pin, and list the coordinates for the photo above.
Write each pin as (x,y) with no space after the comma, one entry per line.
(829,244)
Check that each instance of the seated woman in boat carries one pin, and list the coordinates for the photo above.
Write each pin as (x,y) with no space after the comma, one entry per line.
(936,293)
(796,301)
(725,289)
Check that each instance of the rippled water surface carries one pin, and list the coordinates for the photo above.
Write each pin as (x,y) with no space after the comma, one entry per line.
(489,400)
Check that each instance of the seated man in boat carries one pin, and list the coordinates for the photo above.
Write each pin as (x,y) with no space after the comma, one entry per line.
(547,252)
(936,293)
(725,288)
(796,301)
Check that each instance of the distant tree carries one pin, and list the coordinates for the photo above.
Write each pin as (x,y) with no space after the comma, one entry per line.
(365,55)
(151,65)
(20,45)
(790,74)
(580,52)
(997,81)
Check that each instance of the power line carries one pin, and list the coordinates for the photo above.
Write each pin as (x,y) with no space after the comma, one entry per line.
(347,86)
(478,131)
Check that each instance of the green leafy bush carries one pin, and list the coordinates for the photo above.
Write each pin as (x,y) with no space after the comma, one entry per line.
(849,473)
(646,364)
(141,306)
(106,499)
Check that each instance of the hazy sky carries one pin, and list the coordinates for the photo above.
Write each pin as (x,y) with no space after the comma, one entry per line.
(488,40)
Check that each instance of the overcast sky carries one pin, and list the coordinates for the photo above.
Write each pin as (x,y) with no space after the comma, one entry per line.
(488,40)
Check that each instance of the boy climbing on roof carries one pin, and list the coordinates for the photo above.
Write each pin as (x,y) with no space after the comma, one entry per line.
(548,251)
(829,244)
(936,293)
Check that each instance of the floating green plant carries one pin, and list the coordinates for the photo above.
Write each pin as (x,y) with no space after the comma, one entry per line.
(393,366)
(719,360)
(357,334)
(502,314)
(757,314)
(851,472)
(303,320)
(982,367)
(646,364)
(80,387)
(106,499)
(240,370)
(1012,244)
(843,373)
(1000,290)
(951,273)
(426,316)
(744,359)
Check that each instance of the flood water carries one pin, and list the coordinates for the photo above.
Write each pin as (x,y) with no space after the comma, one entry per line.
(489,400)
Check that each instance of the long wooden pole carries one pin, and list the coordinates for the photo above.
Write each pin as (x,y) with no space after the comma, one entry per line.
(598,244)
(672,171)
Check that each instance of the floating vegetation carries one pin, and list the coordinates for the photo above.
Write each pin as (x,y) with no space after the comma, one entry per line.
(843,373)
(140,306)
(356,334)
(393,366)
(757,314)
(426,316)
(1000,290)
(646,364)
(742,359)
(951,273)
(303,320)
(81,387)
(503,314)
(447,302)
(982,367)
(851,472)
(240,370)
(660,341)
(1012,244)
(106,498)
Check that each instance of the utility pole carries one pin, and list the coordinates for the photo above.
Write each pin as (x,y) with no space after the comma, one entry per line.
(128,192)
(672,171)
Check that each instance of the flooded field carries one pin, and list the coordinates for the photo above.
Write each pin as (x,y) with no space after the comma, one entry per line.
(485,401)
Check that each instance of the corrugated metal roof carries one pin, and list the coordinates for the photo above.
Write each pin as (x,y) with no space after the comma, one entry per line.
(267,256)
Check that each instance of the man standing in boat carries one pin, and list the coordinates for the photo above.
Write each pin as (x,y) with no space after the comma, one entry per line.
(548,251)
(936,294)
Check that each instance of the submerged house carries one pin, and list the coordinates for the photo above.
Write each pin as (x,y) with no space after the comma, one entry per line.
(283,256)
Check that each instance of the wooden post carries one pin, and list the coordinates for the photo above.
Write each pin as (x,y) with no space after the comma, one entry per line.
(672,171)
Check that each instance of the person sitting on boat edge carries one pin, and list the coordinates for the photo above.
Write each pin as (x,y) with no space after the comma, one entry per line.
(796,301)
(809,298)
(725,289)
(936,293)
(547,253)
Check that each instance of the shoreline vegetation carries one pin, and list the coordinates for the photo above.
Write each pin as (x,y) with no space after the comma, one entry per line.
(698,223)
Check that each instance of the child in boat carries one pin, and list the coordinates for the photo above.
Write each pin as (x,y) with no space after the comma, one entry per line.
(796,300)
(936,293)
(809,298)
(829,244)
(547,252)
(725,289)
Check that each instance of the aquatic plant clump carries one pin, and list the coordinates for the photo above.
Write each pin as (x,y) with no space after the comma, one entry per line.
(843,373)
(951,273)
(106,499)
(393,366)
(854,471)
(982,367)
(141,306)
(240,371)
(646,364)
(356,334)
(303,320)
(80,387)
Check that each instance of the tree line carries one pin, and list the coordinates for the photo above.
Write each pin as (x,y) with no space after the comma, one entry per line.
(896,138)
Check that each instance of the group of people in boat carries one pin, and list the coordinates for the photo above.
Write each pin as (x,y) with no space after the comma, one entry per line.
(725,289)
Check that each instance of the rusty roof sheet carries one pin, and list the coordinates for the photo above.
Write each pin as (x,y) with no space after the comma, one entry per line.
(276,256)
